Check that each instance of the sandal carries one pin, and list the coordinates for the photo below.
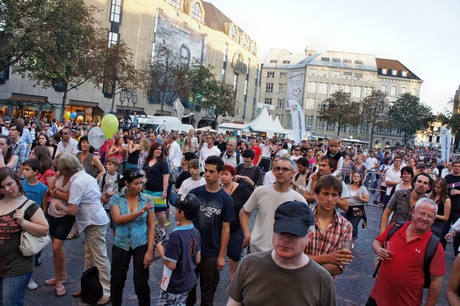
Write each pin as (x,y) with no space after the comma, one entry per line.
(52,281)
(60,291)
(73,235)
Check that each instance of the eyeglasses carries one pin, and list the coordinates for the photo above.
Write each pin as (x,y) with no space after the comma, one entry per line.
(423,215)
(7,123)
(46,125)
(65,133)
(284,169)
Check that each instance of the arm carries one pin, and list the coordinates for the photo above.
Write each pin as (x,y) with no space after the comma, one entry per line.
(223,245)
(384,219)
(148,257)
(232,302)
(113,149)
(98,164)
(343,204)
(37,225)
(244,222)
(161,252)
(165,185)
(45,202)
(453,284)
(434,291)
(332,261)
(120,219)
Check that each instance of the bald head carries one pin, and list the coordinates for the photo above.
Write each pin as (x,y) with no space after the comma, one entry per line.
(231,146)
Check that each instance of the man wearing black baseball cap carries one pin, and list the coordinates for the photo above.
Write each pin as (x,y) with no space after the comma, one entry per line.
(287,263)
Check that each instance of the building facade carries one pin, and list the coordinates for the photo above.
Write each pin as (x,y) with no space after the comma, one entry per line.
(325,73)
(196,29)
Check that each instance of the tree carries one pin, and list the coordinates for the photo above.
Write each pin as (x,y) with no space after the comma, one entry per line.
(210,93)
(167,78)
(70,56)
(409,115)
(374,111)
(118,72)
(340,110)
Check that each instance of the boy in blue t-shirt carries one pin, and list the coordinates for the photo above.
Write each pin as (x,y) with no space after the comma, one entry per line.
(36,191)
(182,254)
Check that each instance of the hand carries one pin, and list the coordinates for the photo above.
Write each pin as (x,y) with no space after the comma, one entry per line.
(161,250)
(163,195)
(246,241)
(148,258)
(341,257)
(147,207)
(385,254)
(450,235)
(220,262)
(454,192)
(19,216)
(314,177)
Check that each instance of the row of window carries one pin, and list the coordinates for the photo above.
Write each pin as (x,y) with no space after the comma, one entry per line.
(196,11)
(271,74)
(393,72)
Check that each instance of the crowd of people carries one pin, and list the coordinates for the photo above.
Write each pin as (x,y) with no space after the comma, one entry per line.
(294,208)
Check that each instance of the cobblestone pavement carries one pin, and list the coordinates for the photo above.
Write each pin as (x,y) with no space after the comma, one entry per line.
(353,287)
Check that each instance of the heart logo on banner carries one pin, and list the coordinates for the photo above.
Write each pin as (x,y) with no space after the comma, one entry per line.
(296,92)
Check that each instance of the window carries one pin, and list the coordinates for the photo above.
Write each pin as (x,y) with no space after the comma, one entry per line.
(286,62)
(197,14)
(268,101)
(325,59)
(353,129)
(404,74)
(394,72)
(310,104)
(403,89)
(324,74)
(335,74)
(346,88)
(383,88)
(175,3)
(269,87)
(254,48)
(358,62)
(336,60)
(311,87)
(321,106)
(363,129)
(113,38)
(282,88)
(323,88)
(347,63)
(320,124)
(335,87)
(289,122)
(393,91)
(343,128)
(309,120)
(273,61)
(244,41)
(330,126)
(356,91)
(384,71)
(281,103)
(367,91)
(270,74)
(347,75)
(380,129)
(234,33)
(358,76)
(283,74)
(115,11)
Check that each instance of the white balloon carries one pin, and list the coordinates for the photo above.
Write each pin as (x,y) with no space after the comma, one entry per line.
(96,137)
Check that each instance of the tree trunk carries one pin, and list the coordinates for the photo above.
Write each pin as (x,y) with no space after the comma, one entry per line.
(64,98)
(162,102)
(372,136)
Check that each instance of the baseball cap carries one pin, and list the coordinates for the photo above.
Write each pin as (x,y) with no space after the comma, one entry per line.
(293,217)
(189,204)
(421,166)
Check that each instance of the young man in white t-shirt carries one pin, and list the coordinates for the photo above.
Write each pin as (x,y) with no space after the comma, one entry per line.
(195,180)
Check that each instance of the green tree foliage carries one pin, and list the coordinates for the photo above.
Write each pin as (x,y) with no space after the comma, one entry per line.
(70,56)
(409,115)
(167,78)
(210,93)
(374,111)
(340,110)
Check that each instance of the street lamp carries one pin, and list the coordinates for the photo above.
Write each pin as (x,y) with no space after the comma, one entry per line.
(127,95)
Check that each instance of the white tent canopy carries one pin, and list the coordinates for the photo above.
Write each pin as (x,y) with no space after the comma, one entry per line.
(264,123)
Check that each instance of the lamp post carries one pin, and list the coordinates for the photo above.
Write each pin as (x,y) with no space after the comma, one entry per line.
(127,95)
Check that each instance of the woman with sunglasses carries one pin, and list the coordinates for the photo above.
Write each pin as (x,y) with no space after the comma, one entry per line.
(132,212)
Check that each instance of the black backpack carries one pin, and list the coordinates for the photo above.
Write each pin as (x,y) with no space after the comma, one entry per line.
(428,257)
(119,182)
(91,288)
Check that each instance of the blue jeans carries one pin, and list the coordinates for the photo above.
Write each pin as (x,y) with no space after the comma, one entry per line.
(13,289)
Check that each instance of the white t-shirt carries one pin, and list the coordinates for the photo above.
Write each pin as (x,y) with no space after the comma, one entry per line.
(266,199)
(84,192)
(269,178)
(70,147)
(392,176)
(266,150)
(175,154)
(206,152)
(190,184)
(370,163)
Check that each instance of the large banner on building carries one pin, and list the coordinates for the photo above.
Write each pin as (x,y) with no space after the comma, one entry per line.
(295,86)
(445,143)
(188,44)
(298,120)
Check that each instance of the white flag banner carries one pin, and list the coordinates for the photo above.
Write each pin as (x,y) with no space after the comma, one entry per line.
(298,120)
(445,143)
(179,108)
(295,85)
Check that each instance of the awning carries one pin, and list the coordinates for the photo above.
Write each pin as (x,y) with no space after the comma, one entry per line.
(20,100)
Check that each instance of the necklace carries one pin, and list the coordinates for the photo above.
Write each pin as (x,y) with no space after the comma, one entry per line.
(232,188)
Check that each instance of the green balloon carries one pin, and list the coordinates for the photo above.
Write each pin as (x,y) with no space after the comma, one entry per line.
(109,125)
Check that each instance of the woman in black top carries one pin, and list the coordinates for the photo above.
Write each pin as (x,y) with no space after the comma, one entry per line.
(134,151)
(440,196)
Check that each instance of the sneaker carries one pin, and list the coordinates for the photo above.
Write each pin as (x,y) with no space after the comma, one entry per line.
(32,285)
(167,223)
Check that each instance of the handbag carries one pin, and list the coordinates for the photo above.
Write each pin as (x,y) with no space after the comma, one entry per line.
(30,244)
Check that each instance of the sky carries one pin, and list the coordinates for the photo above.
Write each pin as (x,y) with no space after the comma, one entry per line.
(423,35)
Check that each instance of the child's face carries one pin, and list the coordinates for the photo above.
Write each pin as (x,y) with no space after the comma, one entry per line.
(194,172)
(28,172)
(111,168)
(327,199)
(333,147)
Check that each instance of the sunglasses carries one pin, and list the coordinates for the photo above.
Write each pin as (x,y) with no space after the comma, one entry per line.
(135,174)
(283,169)
(65,133)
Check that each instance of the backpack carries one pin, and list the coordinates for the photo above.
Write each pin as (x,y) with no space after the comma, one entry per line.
(120,184)
(428,257)
(237,157)
(91,288)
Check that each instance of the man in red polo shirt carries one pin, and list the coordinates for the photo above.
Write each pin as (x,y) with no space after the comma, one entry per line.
(401,277)
(257,151)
